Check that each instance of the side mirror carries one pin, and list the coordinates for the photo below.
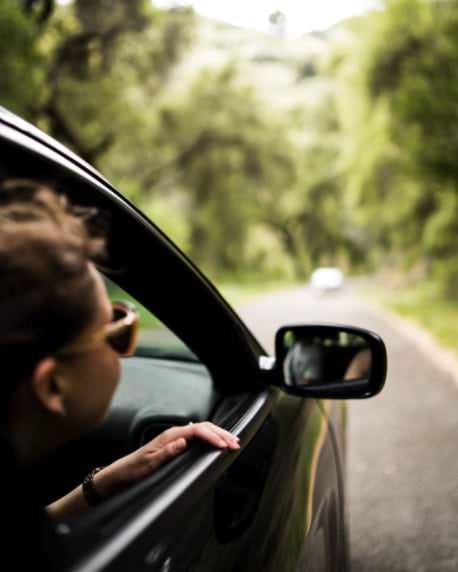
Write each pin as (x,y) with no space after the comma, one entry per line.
(329,361)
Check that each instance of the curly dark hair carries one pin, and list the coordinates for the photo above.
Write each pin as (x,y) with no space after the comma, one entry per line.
(46,288)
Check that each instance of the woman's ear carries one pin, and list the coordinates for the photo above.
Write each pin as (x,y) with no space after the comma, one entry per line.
(47,388)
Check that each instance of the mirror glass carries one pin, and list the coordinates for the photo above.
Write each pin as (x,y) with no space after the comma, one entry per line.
(317,356)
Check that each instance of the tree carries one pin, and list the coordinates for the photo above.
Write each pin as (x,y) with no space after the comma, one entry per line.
(278,22)
(89,70)
(401,155)
(223,153)
(21,76)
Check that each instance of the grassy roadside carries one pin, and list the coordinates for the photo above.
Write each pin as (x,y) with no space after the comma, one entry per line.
(422,304)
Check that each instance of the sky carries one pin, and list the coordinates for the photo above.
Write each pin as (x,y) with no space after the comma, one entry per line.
(302,15)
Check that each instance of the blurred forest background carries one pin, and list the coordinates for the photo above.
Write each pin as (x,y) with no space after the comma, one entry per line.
(261,155)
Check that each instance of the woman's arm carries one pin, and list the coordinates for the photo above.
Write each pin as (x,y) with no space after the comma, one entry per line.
(142,462)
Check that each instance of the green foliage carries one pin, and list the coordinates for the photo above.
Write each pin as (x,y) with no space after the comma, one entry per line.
(228,157)
(418,73)
(101,65)
(401,133)
(362,171)
(21,80)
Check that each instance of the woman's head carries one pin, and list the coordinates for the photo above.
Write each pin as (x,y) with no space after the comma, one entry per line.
(51,295)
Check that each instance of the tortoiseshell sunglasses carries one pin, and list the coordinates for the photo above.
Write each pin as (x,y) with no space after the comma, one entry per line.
(121,333)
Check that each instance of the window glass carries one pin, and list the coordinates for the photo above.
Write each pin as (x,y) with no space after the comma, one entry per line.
(155,339)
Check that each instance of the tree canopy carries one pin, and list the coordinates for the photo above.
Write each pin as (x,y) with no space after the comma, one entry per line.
(401,133)
(362,175)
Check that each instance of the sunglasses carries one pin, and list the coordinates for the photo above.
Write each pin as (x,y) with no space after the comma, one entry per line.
(121,333)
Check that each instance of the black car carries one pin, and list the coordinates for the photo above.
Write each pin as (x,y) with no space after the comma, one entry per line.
(277,504)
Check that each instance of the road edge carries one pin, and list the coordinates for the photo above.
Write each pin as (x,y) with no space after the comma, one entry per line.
(444,358)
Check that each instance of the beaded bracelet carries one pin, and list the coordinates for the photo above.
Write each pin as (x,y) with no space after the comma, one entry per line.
(91,494)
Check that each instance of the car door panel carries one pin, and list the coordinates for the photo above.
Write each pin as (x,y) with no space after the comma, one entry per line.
(193,477)
(260,509)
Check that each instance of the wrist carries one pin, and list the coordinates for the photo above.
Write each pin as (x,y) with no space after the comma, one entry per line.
(105,482)
(91,492)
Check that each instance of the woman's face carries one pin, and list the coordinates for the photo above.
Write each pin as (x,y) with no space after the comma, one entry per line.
(90,377)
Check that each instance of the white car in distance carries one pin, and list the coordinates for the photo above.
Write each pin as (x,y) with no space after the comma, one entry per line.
(326,279)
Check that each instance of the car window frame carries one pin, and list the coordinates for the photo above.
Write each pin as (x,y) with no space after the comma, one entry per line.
(240,346)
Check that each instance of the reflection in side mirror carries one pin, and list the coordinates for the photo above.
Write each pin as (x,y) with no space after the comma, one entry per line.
(329,357)
(330,361)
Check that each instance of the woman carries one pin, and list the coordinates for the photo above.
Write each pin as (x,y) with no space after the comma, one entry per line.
(60,342)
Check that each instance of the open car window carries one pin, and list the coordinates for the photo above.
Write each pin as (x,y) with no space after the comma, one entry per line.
(155,339)
(163,385)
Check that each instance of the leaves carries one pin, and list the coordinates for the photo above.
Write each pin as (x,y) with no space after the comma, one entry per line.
(362,170)
(402,163)
(21,79)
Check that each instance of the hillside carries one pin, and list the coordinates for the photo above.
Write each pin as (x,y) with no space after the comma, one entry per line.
(284,70)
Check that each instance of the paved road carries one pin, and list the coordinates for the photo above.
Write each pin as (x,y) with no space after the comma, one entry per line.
(403,444)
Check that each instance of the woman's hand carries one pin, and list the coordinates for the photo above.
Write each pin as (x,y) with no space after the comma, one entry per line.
(169,444)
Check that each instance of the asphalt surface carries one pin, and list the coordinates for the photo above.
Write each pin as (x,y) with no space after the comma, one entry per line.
(402,486)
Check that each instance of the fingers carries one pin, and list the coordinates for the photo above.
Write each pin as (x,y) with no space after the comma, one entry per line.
(204,431)
(214,435)
(170,450)
(224,436)
(168,445)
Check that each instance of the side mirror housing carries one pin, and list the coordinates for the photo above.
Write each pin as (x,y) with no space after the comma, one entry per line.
(329,361)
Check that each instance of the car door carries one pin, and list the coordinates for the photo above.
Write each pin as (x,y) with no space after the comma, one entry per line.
(274,505)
